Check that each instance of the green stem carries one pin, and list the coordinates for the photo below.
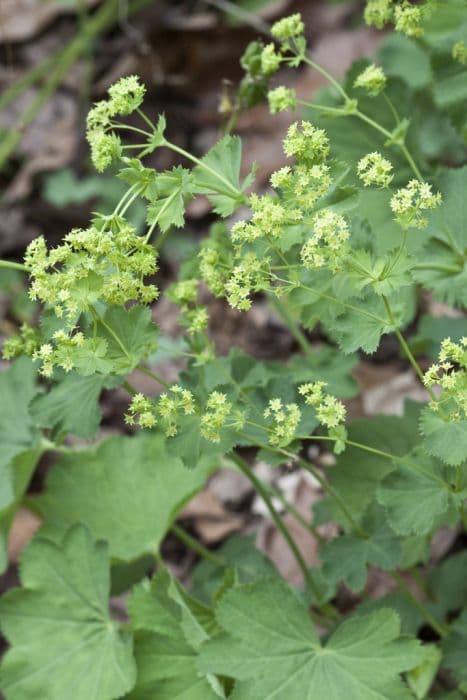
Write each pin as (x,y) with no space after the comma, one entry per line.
(197,547)
(129,388)
(263,492)
(411,161)
(392,108)
(201,164)
(292,325)
(165,206)
(290,508)
(323,295)
(380,453)
(440,268)
(326,486)
(328,77)
(154,376)
(427,616)
(111,332)
(405,347)
(13,265)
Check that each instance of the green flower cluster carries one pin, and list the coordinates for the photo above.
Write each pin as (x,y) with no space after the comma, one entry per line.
(242,272)
(249,276)
(375,170)
(372,80)
(214,416)
(185,293)
(328,244)
(99,263)
(303,185)
(281,99)
(450,373)
(378,12)
(166,410)
(329,410)
(125,97)
(285,419)
(171,407)
(306,143)
(408,203)
(407,17)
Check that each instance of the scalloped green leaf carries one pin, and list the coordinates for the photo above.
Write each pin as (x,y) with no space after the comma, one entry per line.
(444,439)
(347,558)
(126,490)
(270,646)
(58,624)
(169,628)
(219,176)
(416,494)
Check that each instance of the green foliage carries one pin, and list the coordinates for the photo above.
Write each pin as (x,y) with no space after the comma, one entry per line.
(75,644)
(127,491)
(271,647)
(362,226)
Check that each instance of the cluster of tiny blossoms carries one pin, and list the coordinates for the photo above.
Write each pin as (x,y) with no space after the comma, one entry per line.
(298,188)
(407,18)
(249,276)
(328,244)
(125,97)
(215,415)
(184,293)
(303,185)
(329,410)
(372,80)
(285,419)
(288,32)
(375,170)
(306,143)
(166,410)
(408,203)
(170,408)
(450,373)
(91,264)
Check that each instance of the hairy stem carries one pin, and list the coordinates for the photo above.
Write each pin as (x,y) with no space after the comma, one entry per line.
(196,546)
(292,325)
(263,492)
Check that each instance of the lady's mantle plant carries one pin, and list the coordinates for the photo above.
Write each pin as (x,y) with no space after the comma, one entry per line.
(363,214)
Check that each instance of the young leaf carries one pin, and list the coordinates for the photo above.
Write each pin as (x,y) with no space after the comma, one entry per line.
(346,558)
(357,474)
(126,491)
(130,336)
(420,678)
(447,585)
(167,198)
(444,438)
(354,330)
(270,646)
(71,406)
(167,641)
(219,176)
(240,553)
(414,498)
(59,627)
